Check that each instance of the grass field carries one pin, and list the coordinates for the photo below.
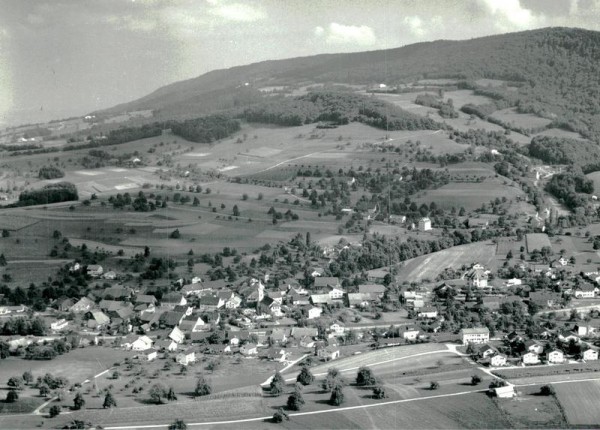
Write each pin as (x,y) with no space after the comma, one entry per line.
(530,410)
(526,121)
(578,401)
(431,265)
(537,241)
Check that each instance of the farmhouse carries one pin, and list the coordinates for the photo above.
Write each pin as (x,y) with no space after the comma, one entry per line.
(328,353)
(410,333)
(506,392)
(83,305)
(530,358)
(314,312)
(590,355)
(186,357)
(177,335)
(428,312)
(59,324)
(376,289)
(556,356)
(97,319)
(150,354)
(249,349)
(166,345)
(498,360)
(94,270)
(585,291)
(142,343)
(475,335)
(477,278)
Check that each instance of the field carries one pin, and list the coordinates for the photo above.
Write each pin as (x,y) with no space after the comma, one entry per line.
(579,402)
(469,195)
(530,410)
(431,265)
(537,241)
(559,132)
(526,121)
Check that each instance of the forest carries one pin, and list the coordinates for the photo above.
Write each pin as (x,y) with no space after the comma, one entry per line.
(568,187)
(557,150)
(205,129)
(52,193)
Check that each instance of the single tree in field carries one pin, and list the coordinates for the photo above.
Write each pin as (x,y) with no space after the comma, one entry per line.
(171,396)
(55,411)
(178,425)
(236,211)
(547,390)
(333,378)
(78,402)
(109,401)
(203,387)
(280,415)
(434,385)
(27,377)
(16,382)
(305,377)
(337,395)
(379,392)
(295,401)
(475,380)
(44,390)
(276,387)
(157,392)
(12,396)
(365,376)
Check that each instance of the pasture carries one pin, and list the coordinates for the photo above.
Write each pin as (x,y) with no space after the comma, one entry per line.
(537,241)
(530,410)
(470,195)
(511,117)
(431,265)
(578,401)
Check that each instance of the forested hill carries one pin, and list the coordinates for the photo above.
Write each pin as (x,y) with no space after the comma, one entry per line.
(558,71)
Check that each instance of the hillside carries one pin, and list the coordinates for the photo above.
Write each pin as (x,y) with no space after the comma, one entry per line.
(554,71)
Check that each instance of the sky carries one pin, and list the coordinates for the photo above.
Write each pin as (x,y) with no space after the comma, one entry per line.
(60,58)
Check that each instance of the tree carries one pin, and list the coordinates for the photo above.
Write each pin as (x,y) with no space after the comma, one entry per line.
(5,233)
(379,392)
(434,385)
(203,387)
(157,392)
(146,251)
(236,211)
(12,396)
(16,382)
(175,234)
(333,378)
(55,411)
(305,377)
(276,387)
(337,395)
(295,401)
(109,401)
(365,377)
(44,390)
(475,380)
(547,390)
(78,402)
(178,425)
(280,415)
(171,396)
(27,377)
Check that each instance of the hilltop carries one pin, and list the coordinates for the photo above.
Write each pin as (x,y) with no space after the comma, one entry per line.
(550,72)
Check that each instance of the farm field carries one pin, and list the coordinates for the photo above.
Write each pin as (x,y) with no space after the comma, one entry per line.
(578,402)
(537,241)
(469,195)
(521,120)
(530,410)
(431,265)
(558,132)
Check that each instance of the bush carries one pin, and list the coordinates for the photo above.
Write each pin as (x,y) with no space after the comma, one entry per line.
(12,396)
(379,392)
(55,411)
(475,380)
(295,401)
(178,425)
(365,377)
(337,395)
(279,416)
(50,172)
(305,377)
(547,390)
(203,387)
(434,385)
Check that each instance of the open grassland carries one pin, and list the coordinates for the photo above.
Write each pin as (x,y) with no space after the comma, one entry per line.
(559,132)
(431,265)
(526,121)
(470,195)
(530,410)
(537,241)
(595,177)
(579,402)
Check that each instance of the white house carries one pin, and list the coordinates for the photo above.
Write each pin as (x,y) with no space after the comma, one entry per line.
(328,353)
(186,357)
(177,335)
(336,293)
(410,334)
(314,313)
(498,360)
(475,335)
(337,329)
(586,291)
(428,312)
(249,349)
(590,355)
(142,343)
(530,358)
(59,324)
(151,354)
(556,356)
(505,392)
(424,224)
(94,270)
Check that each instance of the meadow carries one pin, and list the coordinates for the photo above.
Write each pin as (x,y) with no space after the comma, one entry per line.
(578,400)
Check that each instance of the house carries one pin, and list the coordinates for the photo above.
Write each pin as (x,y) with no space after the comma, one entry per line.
(328,353)
(142,343)
(556,356)
(377,289)
(298,299)
(427,312)
(150,354)
(314,312)
(481,223)
(300,332)
(320,299)
(530,358)
(110,275)
(475,335)
(97,319)
(193,289)
(147,299)
(590,355)
(233,303)
(94,270)
(568,336)
(278,336)
(171,318)
(83,305)
(477,278)
(186,357)
(64,304)
(585,291)
(409,333)
(397,219)
(117,292)
(177,335)
(360,300)
(307,342)
(506,392)
(336,293)
(533,346)
(277,355)
(377,275)
(584,330)
(173,299)
(59,324)
(424,224)
(249,349)
(485,351)
(498,360)
(337,328)
(166,345)
(327,282)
